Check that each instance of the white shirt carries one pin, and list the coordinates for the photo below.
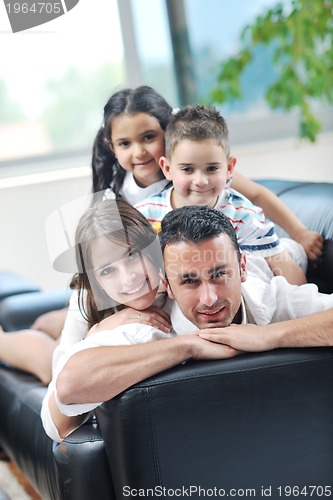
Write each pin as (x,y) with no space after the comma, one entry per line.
(129,334)
(75,329)
(263,303)
(133,193)
(73,339)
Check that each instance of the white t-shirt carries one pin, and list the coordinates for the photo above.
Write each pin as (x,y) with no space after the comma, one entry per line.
(73,339)
(267,303)
(133,193)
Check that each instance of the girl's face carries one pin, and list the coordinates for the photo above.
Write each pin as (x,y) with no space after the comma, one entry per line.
(125,274)
(138,143)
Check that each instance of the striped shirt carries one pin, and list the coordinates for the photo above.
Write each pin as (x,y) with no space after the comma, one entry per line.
(253,231)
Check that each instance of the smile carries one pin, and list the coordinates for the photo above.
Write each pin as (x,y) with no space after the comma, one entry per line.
(135,290)
(201,192)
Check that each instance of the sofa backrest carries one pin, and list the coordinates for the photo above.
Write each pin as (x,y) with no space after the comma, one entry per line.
(258,420)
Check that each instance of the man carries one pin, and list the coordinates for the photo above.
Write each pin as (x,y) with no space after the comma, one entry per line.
(206,274)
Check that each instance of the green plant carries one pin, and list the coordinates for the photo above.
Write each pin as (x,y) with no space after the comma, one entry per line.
(300,32)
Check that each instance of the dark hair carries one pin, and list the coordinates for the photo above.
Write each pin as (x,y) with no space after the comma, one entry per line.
(143,99)
(118,221)
(196,122)
(194,224)
(102,163)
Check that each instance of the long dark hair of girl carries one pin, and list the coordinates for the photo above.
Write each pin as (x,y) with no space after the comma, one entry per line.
(106,169)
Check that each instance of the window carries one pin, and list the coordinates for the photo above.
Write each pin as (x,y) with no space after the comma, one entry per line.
(152,45)
(214,30)
(55,80)
(182,47)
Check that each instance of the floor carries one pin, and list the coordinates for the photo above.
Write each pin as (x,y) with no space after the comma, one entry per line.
(23,481)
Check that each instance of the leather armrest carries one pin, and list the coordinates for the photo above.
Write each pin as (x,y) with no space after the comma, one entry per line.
(13,284)
(82,465)
(19,311)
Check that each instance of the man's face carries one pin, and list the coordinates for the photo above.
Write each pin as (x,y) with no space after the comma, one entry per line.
(205,280)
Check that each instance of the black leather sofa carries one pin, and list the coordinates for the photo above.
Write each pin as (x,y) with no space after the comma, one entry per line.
(256,425)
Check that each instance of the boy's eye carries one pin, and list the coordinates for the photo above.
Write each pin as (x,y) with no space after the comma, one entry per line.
(188,170)
(213,168)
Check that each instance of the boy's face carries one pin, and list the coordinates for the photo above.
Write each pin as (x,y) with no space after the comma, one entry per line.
(199,171)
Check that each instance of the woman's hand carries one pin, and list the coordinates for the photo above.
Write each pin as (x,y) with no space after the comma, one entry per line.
(152,316)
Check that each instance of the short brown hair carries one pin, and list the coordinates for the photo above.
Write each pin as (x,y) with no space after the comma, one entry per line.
(196,123)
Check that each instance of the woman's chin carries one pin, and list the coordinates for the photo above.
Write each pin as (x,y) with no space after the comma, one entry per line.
(143,301)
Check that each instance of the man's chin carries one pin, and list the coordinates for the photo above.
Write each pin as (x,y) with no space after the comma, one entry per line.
(212,324)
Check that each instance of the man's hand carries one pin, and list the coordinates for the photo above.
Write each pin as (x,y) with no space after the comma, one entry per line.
(210,348)
(249,338)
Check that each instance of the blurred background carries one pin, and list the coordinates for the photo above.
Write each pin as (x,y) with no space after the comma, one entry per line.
(55,80)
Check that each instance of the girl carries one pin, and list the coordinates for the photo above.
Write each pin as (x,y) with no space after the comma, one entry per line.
(129,145)
(119,258)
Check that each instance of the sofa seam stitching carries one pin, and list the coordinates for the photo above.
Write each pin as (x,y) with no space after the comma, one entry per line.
(243,370)
(152,437)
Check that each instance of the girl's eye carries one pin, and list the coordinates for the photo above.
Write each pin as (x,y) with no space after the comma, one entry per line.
(212,168)
(124,144)
(187,170)
(106,271)
(133,256)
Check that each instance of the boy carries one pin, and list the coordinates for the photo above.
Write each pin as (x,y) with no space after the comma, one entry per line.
(199,164)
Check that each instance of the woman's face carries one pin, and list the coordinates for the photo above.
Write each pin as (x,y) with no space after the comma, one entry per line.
(125,274)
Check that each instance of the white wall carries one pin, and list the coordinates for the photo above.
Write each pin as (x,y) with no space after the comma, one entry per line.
(288,159)
(26,201)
